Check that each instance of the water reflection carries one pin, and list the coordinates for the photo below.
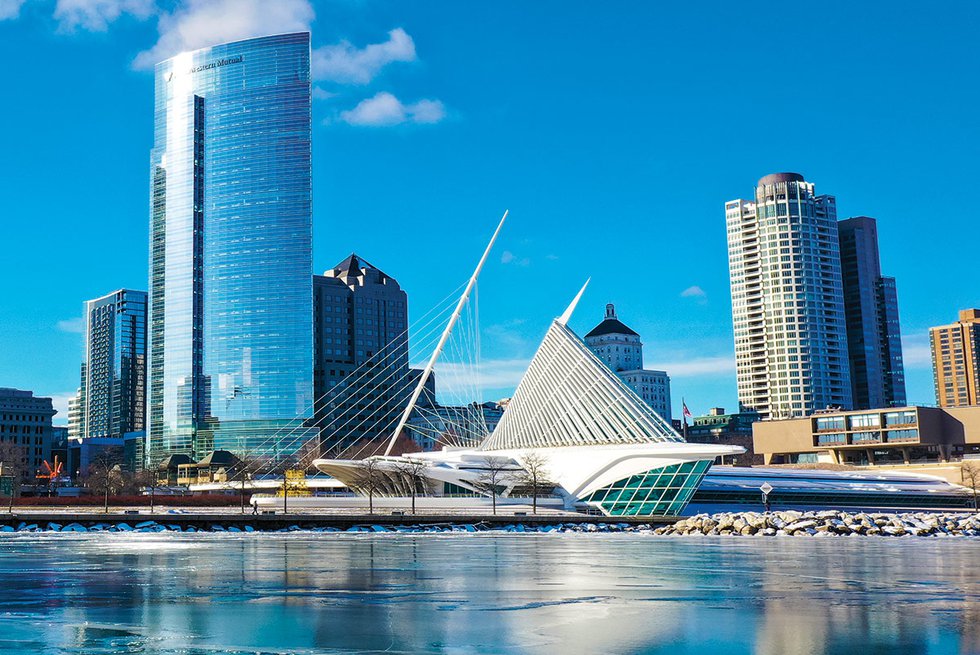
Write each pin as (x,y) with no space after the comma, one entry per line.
(170,593)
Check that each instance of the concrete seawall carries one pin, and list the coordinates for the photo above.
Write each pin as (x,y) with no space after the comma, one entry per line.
(203,521)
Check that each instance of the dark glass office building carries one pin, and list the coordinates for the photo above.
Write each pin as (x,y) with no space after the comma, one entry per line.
(361,373)
(113,388)
(231,334)
(874,342)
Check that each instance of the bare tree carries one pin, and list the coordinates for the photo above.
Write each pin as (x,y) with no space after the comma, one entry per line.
(534,474)
(404,444)
(970,475)
(413,471)
(147,479)
(13,464)
(357,449)
(309,450)
(105,475)
(369,480)
(494,472)
(243,471)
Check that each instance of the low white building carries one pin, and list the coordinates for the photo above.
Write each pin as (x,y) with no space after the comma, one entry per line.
(598,444)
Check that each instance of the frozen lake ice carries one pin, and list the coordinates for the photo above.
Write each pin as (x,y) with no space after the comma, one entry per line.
(485,593)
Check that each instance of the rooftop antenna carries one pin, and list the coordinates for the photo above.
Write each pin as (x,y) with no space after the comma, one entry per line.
(427,371)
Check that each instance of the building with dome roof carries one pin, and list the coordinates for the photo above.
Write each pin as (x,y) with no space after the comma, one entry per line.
(621,349)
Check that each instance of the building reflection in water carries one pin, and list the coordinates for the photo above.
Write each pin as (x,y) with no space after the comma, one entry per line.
(489,593)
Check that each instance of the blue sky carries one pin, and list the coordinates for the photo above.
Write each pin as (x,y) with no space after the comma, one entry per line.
(614,137)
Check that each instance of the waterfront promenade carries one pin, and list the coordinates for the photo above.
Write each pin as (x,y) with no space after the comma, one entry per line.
(787,523)
(228,517)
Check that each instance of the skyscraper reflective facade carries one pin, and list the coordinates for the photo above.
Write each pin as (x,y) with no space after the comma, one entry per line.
(112,398)
(231,335)
(871,306)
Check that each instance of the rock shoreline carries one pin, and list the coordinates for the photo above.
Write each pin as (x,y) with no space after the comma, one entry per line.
(827,523)
(788,523)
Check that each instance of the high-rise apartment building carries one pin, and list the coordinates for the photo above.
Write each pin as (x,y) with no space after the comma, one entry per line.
(112,397)
(874,340)
(956,360)
(231,298)
(621,349)
(76,413)
(787,299)
(361,376)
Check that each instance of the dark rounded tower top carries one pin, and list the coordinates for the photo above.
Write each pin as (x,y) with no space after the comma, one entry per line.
(775,178)
(611,325)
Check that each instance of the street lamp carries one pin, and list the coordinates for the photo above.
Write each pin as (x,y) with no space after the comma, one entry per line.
(10,500)
(285,492)
(766,488)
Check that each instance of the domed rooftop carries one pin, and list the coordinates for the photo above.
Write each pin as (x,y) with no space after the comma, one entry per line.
(611,325)
(775,178)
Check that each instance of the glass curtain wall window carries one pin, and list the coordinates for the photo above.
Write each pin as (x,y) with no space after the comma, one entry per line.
(900,418)
(902,435)
(231,353)
(865,421)
(830,423)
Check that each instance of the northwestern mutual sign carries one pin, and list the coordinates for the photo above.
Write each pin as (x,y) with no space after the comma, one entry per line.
(217,64)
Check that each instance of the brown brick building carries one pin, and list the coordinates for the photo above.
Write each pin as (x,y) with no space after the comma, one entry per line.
(956,360)
(893,436)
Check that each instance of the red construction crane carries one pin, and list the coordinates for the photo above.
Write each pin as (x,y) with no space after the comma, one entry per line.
(51,472)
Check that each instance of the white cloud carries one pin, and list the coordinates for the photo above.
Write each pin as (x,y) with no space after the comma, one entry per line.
(60,403)
(506,336)
(510,258)
(696,366)
(916,351)
(200,23)
(320,93)
(693,292)
(73,325)
(10,9)
(427,111)
(500,377)
(350,65)
(384,110)
(492,379)
(96,15)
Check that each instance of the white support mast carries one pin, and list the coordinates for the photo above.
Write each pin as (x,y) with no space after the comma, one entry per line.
(442,340)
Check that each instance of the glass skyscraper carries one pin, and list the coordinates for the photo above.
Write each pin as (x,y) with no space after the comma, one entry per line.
(874,339)
(231,333)
(112,396)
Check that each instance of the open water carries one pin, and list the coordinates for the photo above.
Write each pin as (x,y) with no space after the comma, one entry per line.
(486,593)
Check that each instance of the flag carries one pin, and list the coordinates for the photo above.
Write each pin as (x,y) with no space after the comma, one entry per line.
(687,412)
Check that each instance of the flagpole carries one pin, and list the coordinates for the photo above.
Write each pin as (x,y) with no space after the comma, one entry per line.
(684,416)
